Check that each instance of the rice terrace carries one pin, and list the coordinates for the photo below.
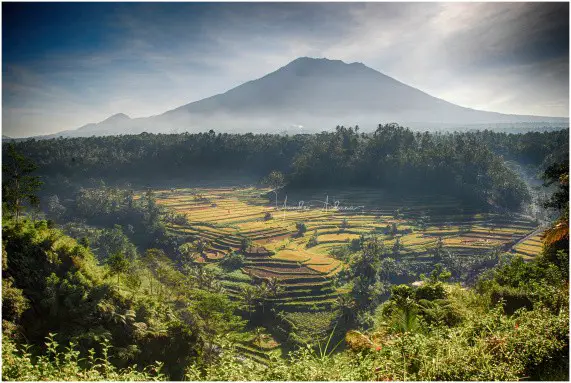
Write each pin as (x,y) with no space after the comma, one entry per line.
(412,229)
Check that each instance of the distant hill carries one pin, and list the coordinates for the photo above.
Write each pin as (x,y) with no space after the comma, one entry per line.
(111,126)
(309,95)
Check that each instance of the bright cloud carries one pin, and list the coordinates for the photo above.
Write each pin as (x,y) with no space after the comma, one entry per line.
(90,61)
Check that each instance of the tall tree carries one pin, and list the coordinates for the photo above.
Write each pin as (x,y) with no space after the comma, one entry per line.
(18,185)
(118,264)
(276,181)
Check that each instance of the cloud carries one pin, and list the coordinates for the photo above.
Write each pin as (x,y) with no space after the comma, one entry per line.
(453,50)
(505,57)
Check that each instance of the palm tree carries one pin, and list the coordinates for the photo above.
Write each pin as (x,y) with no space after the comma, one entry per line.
(405,317)
(274,180)
(203,278)
(249,297)
(274,287)
(200,246)
(347,305)
(262,292)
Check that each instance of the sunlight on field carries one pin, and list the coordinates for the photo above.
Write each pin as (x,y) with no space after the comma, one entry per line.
(529,248)
(225,217)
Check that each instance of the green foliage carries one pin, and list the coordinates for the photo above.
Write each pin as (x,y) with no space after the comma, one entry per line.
(514,325)
(467,165)
(357,243)
(301,228)
(232,261)
(125,219)
(313,241)
(18,185)
(430,291)
(251,297)
(365,271)
(118,264)
(556,173)
(238,276)
(58,287)
(245,244)
(113,241)
(412,343)
(67,365)
(14,303)
(438,274)
(275,179)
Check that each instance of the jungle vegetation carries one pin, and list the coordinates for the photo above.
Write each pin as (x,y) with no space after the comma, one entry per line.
(101,291)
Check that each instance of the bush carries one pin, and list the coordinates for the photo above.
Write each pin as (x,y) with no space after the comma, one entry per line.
(301,228)
(232,261)
(430,291)
(57,365)
(14,303)
(245,244)
(313,241)
(513,299)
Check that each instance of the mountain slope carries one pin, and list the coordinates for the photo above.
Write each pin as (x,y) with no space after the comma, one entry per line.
(317,85)
(116,124)
(317,94)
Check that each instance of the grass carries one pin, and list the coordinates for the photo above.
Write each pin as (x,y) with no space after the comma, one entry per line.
(343,237)
(292,255)
(325,269)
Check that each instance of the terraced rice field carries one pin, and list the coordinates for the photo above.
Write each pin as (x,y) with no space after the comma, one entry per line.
(259,348)
(529,248)
(224,216)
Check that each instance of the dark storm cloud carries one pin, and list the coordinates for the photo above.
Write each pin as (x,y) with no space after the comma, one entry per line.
(511,34)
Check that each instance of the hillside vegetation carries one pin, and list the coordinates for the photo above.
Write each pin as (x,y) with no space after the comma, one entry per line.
(465,165)
(223,283)
(513,325)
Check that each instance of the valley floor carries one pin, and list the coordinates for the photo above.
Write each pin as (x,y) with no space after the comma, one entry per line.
(412,229)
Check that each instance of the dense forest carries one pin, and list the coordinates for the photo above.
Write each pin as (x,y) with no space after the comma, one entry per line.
(469,165)
(100,290)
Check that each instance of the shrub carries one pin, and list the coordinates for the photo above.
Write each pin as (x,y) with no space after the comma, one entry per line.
(313,241)
(301,228)
(430,291)
(232,261)
(356,244)
(245,244)
(513,299)
(19,364)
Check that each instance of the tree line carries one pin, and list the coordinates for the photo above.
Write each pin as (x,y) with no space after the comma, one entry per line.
(468,165)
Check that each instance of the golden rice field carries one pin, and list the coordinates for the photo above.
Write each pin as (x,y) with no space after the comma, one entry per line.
(529,248)
(224,216)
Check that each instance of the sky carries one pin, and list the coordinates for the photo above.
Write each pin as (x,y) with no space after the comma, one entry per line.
(68,64)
